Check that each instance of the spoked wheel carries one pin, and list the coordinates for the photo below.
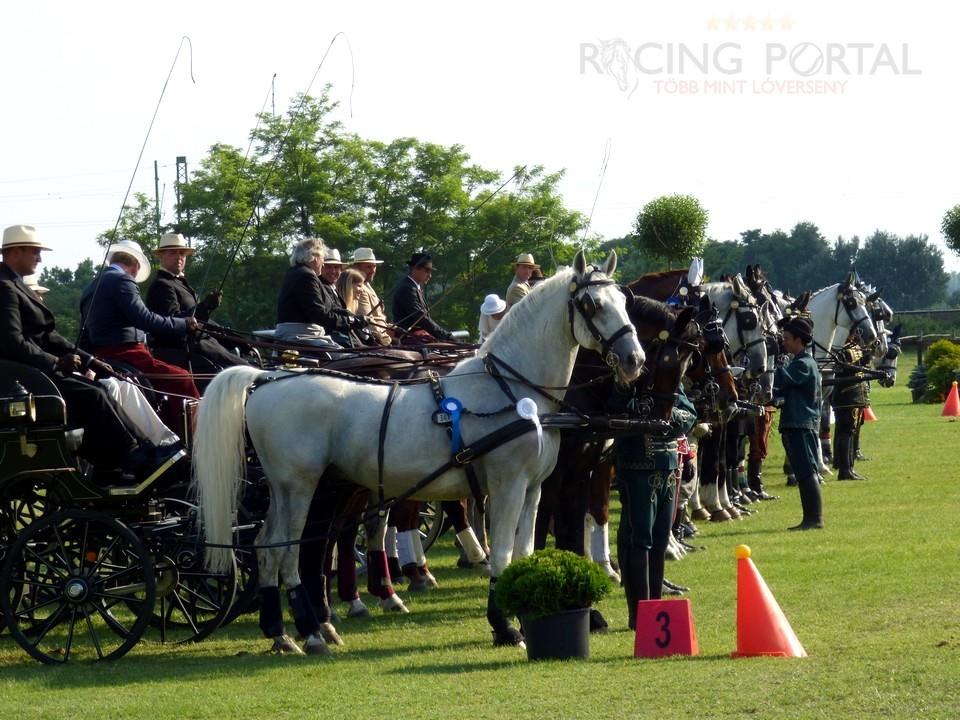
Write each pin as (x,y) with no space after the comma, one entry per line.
(192,602)
(87,588)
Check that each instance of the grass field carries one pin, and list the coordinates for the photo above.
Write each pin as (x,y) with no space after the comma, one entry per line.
(874,598)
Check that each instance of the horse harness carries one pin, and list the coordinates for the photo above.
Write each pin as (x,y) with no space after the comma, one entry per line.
(587,307)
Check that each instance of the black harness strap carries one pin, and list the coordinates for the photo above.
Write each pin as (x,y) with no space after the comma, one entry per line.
(384,420)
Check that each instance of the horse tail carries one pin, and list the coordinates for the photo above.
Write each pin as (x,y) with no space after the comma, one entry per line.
(219,459)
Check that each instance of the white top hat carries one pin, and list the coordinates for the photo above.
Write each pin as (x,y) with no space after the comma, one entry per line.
(331,256)
(22,236)
(493,304)
(133,249)
(365,255)
(31,282)
(525,259)
(174,241)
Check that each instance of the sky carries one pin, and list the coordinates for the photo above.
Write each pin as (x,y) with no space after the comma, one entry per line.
(770,113)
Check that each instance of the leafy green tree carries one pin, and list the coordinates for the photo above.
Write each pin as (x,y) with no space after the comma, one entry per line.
(910,270)
(672,227)
(950,227)
(66,287)
(138,222)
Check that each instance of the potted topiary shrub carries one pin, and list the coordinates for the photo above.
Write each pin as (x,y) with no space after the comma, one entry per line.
(551,592)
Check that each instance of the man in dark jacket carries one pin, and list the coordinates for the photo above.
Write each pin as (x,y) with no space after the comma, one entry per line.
(306,312)
(116,323)
(171,295)
(796,387)
(410,310)
(28,335)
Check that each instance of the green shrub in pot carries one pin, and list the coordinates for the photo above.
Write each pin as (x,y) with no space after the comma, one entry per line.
(548,582)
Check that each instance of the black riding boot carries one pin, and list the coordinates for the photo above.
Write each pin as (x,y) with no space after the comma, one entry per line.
(844,453)
(812,504)
(634,572)
(755,479)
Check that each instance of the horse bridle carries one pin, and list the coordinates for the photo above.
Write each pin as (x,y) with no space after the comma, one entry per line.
(747,317)
(586,306)
(848,299)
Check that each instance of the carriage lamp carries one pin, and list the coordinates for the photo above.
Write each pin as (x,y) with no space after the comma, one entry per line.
(19,406)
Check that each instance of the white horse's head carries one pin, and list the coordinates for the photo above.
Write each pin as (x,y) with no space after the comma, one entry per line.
(599,320)
(740,314)
(852,313)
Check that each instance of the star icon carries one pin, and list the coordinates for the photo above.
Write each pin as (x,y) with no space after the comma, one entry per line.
(731,23)
(749,24)
(786,23)
(768,23)
(713,23)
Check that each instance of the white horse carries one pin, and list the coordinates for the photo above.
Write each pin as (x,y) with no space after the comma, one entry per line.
(841,305)
(740,313)
(301,424)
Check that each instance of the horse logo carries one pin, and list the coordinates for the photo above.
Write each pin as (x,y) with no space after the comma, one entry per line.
(616,58)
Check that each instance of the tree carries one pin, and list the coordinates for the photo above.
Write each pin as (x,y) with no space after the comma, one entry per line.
(910,270)
(672,227)
(138,222)
(66,287)
(950,227)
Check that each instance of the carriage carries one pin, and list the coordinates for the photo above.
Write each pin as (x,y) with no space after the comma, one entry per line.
(86,571)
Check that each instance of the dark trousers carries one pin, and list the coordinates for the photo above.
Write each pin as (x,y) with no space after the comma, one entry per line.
(801,446)
(106,440)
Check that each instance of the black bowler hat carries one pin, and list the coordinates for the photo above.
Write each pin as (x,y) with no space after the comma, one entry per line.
(800,327)
(420,259)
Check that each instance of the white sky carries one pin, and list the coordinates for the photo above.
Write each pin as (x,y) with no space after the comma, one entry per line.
(868,150)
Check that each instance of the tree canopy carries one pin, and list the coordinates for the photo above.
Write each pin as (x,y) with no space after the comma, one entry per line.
(672,227)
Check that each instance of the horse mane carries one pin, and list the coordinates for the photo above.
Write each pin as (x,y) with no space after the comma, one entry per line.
(652,311)
(527,315)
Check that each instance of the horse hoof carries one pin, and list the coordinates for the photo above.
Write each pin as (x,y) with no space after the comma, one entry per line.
(317,646)
(611,573)
(430,580)
(733,512)
(719,515)
(358,610)
(330,635)
(508,637)
(393,603)
(700,514)
(284,644)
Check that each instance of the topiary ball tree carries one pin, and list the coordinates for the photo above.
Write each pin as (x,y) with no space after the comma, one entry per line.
(950,227)
(672,227)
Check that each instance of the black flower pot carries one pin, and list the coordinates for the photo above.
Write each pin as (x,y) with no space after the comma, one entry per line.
(558,637)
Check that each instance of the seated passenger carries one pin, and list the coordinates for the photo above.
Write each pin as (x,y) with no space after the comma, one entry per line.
(28,335)
(117,321)
(170,294)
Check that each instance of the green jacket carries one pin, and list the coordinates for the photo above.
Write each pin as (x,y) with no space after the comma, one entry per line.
(647,451)
(798,384)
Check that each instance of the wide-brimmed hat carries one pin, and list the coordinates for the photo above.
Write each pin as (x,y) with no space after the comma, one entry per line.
(362,255)
(31,281)
(133,249)
(493,304)
(331,256)
(525,259)
(22,236)
(174,241)
(800,327)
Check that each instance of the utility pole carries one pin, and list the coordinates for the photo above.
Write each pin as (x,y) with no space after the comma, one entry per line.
(156,197)
(182,179)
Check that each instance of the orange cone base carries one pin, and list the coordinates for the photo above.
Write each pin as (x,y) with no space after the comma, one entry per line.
(762,628)
(665,627)
(868,414)
(951,408)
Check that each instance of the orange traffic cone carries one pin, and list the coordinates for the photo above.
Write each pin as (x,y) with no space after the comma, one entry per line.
(951,408)
(868,415)
(762,628)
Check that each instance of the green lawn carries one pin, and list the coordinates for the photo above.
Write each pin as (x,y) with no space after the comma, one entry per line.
(874,598)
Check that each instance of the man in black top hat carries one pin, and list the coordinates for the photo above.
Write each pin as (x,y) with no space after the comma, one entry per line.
(410,310)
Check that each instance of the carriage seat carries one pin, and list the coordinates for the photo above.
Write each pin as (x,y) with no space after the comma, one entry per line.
(50,410)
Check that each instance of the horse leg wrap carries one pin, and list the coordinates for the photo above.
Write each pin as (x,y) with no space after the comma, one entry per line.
(503,632)
(471,545)
(406,550)
(589,523)
(378,575)
(271,616)
(304,616)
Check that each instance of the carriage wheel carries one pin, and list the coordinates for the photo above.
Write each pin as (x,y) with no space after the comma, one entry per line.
(192,601)
(88,588)
(25,503)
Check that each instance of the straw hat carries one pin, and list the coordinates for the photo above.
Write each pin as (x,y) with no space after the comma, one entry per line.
(493,304)
(22,236)
(364,254)
(133,249)
(331,256)
(174,241)
(31,282)
(525,259)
